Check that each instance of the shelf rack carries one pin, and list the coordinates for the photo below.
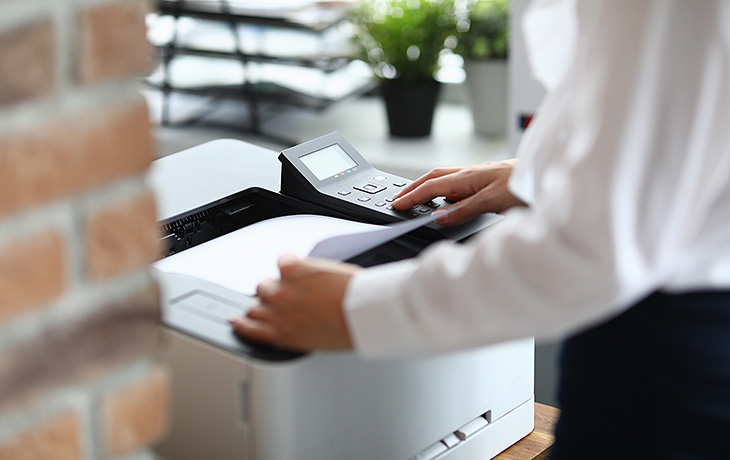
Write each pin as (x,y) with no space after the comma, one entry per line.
(318,18)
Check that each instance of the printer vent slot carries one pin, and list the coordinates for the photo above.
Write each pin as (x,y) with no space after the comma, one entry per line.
(190,230)
(207,223)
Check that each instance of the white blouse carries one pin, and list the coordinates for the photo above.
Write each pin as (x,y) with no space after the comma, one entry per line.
(627,170)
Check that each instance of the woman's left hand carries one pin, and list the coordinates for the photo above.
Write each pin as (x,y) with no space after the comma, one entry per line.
(303,309)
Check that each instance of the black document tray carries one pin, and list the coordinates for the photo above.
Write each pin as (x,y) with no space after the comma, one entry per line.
(256,204)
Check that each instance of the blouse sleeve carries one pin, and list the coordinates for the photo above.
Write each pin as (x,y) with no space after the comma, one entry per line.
(629,153)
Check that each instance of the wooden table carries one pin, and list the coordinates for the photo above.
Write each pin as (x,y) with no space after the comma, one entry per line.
(536,445)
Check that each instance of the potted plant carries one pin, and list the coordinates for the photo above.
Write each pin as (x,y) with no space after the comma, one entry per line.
(402,40)
(484,45)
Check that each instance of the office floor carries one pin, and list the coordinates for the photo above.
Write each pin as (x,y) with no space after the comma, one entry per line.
(363,122)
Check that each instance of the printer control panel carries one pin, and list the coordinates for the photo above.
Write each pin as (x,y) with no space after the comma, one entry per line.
(329,171)
(378,193)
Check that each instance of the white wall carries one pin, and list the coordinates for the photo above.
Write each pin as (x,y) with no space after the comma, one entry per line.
(525,93)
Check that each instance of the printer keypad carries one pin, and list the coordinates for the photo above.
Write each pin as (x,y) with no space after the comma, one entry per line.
(385,204)
(377,196)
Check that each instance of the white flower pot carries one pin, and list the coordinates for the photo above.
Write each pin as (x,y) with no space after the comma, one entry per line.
(487,84)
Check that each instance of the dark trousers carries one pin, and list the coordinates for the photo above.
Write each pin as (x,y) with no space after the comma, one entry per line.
(652,383)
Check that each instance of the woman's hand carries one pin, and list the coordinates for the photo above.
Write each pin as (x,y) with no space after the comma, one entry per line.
(477,189)
(303,309)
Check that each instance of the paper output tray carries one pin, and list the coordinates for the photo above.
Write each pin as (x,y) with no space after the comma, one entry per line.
(256,204)
(184,305)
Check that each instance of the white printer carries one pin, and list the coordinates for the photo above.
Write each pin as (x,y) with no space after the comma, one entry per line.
(244,401)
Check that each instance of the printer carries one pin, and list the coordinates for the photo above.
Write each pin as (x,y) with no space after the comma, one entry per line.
(236,400)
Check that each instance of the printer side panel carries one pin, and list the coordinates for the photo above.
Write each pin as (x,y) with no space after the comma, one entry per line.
(208,418)
(331,406)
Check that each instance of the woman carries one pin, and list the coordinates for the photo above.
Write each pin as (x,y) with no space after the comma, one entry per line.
(624,247)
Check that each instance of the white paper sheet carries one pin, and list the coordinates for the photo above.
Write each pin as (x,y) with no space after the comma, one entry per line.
(242,259)
(346,246)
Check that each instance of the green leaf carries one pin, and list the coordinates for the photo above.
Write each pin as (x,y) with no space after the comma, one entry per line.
(403,39)
(487,35)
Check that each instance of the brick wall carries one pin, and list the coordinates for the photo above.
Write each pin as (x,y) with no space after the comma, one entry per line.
(78,310)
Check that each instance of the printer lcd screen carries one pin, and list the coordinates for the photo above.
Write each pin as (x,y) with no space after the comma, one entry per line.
(328,162)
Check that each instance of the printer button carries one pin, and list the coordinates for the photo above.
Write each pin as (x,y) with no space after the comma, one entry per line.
(364,199)
(399,184)
(381,204)
(344,192)
(451,440)
(430,452)
(471,428)
(368,187)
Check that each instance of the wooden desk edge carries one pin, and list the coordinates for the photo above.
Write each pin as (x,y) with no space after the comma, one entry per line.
(536,445)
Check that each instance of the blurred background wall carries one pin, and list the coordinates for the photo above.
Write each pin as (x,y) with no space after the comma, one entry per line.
(78,312)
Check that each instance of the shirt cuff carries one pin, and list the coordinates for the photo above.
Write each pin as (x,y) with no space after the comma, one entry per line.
(377,321)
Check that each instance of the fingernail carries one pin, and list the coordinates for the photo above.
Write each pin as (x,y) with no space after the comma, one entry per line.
(288,259)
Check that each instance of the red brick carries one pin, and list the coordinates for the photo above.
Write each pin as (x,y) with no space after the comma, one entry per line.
(27,62)
(78,350)
(32,272)
(137,416)
(122,237)
(57,439)
(113,41)
(73,153)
